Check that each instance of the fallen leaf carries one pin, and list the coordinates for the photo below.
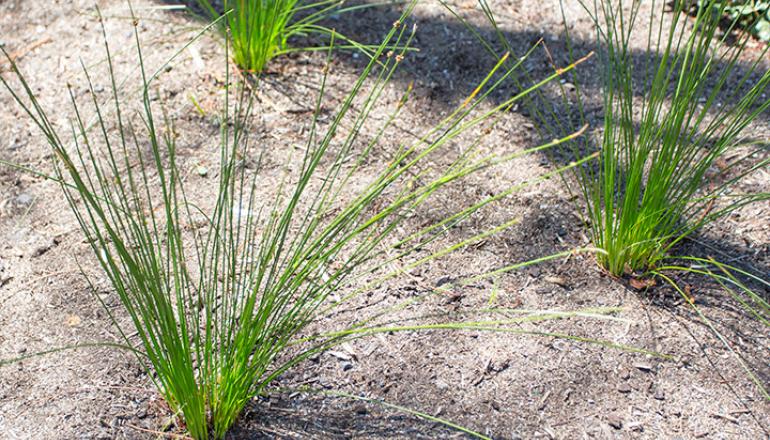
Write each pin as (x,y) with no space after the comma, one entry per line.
(641,284)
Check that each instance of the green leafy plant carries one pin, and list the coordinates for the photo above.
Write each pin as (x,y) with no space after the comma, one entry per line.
(259,30)
(220,298)
(752,15)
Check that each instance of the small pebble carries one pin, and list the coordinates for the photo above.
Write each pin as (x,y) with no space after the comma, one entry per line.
(24,199)
(615,421)
(624,388)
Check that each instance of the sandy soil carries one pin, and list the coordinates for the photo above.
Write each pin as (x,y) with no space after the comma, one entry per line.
(504,386)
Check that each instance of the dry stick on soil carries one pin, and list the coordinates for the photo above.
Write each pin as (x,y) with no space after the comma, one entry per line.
(18,54)
(219,313)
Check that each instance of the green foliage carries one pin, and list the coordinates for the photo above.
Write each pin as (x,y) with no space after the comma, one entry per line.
(219,298)
(671,115)
(258,30)
(753,15)
(672,147)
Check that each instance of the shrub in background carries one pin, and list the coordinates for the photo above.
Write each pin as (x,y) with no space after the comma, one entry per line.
(752,15)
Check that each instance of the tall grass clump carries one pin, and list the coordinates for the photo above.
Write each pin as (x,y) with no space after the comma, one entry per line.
(219,292)
(259,30)
(673,145)
(670,123)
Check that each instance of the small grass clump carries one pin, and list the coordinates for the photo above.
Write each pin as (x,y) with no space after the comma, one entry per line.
(219,299)
(259,30)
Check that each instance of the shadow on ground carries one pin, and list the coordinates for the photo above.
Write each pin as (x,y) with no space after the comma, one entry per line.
(331,418)
(451,62)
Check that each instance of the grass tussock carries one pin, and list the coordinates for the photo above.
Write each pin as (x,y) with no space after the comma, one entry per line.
(260,30)
(671,146)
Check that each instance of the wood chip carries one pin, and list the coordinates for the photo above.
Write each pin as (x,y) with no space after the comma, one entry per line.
(624,388)
(559,281)
(73,320)
(643,367)
(641,284)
